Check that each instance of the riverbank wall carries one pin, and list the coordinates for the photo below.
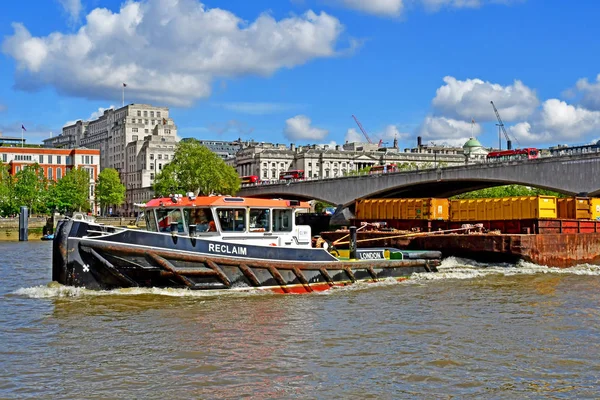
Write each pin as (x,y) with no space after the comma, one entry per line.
(9,227)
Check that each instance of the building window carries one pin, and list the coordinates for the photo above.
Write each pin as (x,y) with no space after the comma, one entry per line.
(167,131)
(91,159)
(17,168)
(139,113)
(58,173)
(151,157)
(145,113)
(160,156)
(50,173)
(310,164)
(134,130)
(152,122)
(166,156)
(145,130)
(41,159)
(151,176)
(160,166)
(58,161)
(49,159)
(158,114)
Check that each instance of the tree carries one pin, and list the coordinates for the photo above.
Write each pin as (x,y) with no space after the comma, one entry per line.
(506,191)
(109,189)
(29,188)
(71,193)
(8,205)
(196,169)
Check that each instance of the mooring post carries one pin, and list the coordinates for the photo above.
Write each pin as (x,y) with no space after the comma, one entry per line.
(23,224)
(352,242)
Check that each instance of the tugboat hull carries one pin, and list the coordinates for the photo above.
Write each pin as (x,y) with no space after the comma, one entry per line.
(120,260)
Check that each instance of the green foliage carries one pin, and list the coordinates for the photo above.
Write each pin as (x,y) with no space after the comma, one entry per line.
(195,168)
(8,203)
(109,189)
(29,188)
(321,205)
(507,191)
(71,192)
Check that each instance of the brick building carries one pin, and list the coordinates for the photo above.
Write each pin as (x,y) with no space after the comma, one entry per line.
(54,162)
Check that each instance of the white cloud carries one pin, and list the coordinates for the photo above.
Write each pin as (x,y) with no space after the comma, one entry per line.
(471,99)
(100,112)
(257,108)
(557,122)
(591,92)
(376,7)
(442,130)
(299,128)
(352,135)
(73,8)
(393,8)
(167,51)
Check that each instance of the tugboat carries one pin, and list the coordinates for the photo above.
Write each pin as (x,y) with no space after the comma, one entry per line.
(219,242)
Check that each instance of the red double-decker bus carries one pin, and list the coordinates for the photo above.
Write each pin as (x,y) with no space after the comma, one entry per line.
(293,174)
(250,179)
(380,169)
(528,153)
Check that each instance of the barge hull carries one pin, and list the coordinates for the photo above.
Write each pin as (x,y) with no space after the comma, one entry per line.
(560,250)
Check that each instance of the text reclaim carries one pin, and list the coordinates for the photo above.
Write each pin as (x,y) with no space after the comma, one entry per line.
(227,249)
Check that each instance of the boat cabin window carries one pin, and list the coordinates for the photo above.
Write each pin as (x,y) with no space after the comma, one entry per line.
(260,220)
(201,217)
(150,221)
(282,220)
(232,219)
(166,216)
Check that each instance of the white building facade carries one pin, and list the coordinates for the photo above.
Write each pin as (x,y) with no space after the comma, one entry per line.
(129,138)
(267,160)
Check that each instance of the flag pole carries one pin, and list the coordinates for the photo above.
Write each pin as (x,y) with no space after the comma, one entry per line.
(21,135)
(123,98)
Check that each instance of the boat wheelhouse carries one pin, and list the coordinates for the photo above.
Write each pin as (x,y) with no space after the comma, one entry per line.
(269,222)
(218,242)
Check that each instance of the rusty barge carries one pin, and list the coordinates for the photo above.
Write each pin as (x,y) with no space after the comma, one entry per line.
(558,243)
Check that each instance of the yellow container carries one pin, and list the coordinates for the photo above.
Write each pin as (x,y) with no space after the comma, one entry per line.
(582,208)
(595,208)
(509,208)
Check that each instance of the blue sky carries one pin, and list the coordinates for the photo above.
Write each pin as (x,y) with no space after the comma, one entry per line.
(296,70)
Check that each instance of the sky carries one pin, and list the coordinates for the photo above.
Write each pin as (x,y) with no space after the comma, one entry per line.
(296,71)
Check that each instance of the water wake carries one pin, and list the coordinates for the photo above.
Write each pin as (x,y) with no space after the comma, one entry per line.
(460,268)
(451,268)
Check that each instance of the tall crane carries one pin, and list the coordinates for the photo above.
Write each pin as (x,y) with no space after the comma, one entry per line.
(362,129)
(500,125)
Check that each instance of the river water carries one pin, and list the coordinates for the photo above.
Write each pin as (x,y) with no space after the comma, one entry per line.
(470,331)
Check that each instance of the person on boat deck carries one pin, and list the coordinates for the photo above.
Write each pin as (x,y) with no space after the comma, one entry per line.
(212,227)
(203,220)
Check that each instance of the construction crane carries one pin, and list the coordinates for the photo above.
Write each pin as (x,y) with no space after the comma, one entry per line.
(362,129)
(500,125)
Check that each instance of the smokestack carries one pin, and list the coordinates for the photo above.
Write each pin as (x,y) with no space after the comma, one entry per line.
(419,143)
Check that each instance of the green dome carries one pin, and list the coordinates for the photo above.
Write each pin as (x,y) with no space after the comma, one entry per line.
(472,142)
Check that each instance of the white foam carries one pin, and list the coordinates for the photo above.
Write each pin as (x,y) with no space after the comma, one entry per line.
(56,290)
(450,268)
(459,268)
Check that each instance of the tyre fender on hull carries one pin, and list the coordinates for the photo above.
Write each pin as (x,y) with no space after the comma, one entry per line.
(59,251)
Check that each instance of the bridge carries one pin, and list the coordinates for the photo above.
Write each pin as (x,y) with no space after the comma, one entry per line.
(570,175)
